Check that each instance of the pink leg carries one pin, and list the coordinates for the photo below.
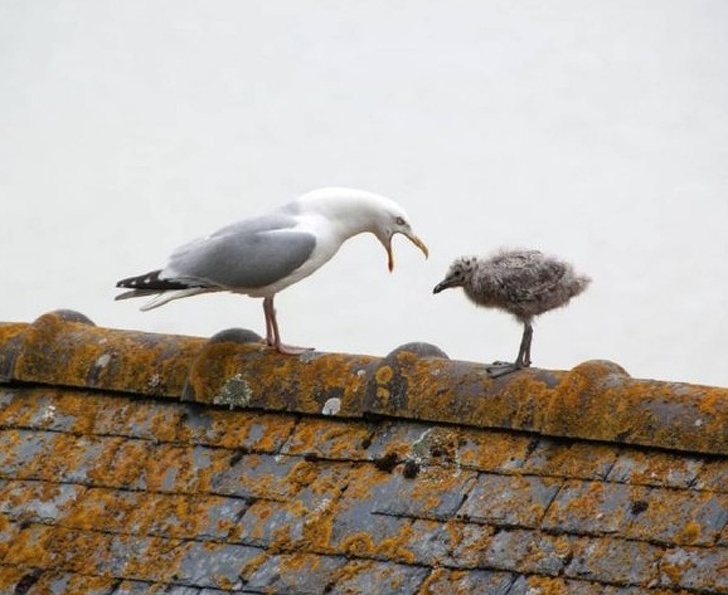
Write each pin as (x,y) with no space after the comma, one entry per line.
(269,315)
(273,336)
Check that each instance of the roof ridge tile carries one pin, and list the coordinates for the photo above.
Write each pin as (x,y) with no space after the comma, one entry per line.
(415,382)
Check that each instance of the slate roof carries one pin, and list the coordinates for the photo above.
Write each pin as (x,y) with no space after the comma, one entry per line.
(143,463)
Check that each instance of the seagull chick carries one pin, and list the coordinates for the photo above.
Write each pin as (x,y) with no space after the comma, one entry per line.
(524,283)
(262,255)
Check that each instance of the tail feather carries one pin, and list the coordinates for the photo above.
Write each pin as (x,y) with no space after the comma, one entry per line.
(135,293)
(164,290)
(168,296)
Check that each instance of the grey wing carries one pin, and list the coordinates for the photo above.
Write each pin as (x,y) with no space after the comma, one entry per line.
(530,276)
(245,255)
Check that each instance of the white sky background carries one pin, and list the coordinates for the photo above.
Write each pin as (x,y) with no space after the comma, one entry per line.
(594,130)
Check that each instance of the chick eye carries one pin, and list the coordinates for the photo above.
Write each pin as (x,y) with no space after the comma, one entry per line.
(399,221)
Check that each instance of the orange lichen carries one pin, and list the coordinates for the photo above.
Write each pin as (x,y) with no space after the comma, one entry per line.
(329,437)
(154,559)
(11,575)
(302,474)
(675,569)
(547,586)
(256,519)
(121,463)
(396,549)
(11,330)
(432,483)
(578,460)
(6,530)
(253,564)
(585,505)
(351,570)
(562,547)
(318,528)
(442,580)
(102,508)
(492,451)
(300,563)
(173,515)
(689,533)
(29,547)
(384,374)
(82,584)
(358,544)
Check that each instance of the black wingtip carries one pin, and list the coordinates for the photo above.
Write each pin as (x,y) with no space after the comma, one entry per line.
(151,281)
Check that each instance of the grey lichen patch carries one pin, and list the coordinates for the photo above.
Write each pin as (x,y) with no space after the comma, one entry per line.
(332,406)
(100,364)
(103,360)
(49,413)
(309,356)
(155,381)
(436,444)
(234,393)
(421,446)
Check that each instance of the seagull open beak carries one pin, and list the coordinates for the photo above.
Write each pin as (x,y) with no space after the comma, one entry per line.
(412,238)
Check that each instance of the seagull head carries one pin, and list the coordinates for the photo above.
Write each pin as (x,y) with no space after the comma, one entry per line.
(391,221)
(353,211)
(457,275)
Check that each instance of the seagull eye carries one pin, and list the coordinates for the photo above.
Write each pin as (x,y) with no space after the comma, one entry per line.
(400,221)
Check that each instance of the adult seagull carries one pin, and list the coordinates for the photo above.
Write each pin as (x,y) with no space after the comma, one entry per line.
(262,255)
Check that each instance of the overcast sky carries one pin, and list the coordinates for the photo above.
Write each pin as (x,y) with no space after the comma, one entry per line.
(594,130)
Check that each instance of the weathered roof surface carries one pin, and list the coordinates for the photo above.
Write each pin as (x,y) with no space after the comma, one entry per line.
(135,463)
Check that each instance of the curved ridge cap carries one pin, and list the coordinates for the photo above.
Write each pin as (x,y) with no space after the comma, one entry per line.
(595,400)
(65,348)
(600,367)
(229,374)
(234,370)
(206,364)
(598,400)
(62,315)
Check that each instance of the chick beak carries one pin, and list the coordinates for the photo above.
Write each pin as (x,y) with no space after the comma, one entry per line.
(440,286)
(446,283)
(412,238)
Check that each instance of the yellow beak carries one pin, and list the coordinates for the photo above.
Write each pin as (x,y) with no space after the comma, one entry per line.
(412,238)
